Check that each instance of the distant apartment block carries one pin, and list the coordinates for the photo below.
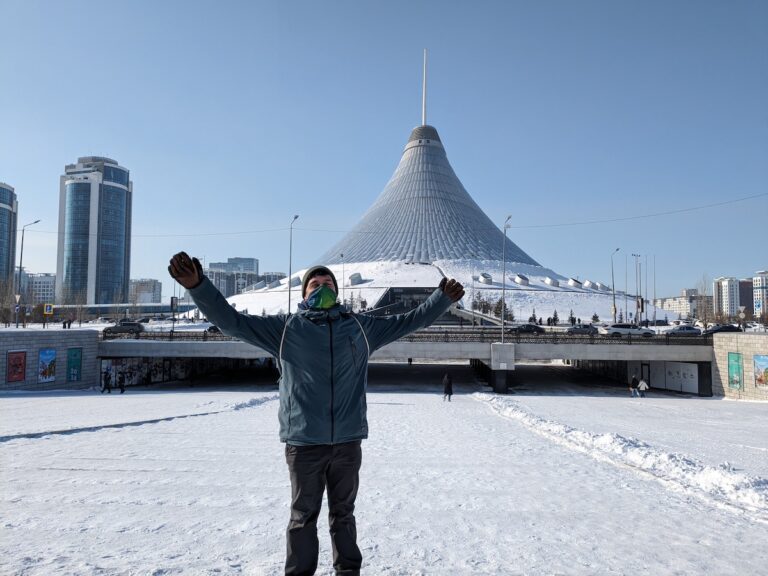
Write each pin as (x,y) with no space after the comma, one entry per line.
(688,305)
(231,283)
(145,291)
(760,293)
(725,297)
(270,277)
(236,265)
(8,212)
(41,287)
(745,296)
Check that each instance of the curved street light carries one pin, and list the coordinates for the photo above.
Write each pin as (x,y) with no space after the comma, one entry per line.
(21,261)
(290,260)
(504,273)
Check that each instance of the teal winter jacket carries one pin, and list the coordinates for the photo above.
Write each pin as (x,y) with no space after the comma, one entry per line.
(323,359)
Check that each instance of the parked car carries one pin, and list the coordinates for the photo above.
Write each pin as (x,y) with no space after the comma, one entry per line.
(213,329)
(125,327)
(582,329)
(618,330)
(527,329)
(723,328)
(684,330)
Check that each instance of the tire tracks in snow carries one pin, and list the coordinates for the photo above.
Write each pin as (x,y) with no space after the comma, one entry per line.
(68,431)
(719,486)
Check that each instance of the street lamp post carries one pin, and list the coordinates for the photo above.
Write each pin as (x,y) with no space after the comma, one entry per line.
(21,262)
(504,274)
(613,286)
(290,260)
(637,288)
(472,302)
(342,277)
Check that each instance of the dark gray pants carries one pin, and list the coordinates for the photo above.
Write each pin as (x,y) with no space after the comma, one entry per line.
(312,468)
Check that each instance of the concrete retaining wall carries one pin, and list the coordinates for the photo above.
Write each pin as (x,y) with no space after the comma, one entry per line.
(22,348)
(744,351)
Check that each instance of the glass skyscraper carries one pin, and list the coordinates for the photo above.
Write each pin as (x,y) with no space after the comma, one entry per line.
(8,224)
(94,254)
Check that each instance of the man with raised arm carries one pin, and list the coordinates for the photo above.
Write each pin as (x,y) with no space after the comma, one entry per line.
(322,353)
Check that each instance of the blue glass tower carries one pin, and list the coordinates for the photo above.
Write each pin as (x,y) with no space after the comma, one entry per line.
(94,253)
(8,224)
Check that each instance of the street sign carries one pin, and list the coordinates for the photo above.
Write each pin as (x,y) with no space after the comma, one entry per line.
(18,297)
(742,308)
(17,308)
(48,309)
(742,315)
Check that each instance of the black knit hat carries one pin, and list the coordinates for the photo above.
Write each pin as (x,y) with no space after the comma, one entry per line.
(317,271)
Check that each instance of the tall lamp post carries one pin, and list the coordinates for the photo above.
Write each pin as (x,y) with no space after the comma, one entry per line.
(342,277)
(637,288)
(613,286)
(21,262)
(290,260)
(504,274)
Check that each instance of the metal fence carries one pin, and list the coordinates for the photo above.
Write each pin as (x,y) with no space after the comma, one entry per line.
(455,334)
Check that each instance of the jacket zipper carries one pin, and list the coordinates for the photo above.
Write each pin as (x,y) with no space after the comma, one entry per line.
(330,331)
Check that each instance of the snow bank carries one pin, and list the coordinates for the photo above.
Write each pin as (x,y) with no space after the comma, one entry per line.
(721,485)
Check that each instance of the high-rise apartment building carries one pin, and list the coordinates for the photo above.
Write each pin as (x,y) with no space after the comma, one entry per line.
(236,265)
(8,212)
(725,297)
(145,291)
(94,254)
(760,294)
(42,287)
(745,297)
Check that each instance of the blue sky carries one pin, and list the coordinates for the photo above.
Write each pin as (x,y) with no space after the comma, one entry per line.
(234,116)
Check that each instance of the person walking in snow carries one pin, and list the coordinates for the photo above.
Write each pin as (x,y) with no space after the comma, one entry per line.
(447,387)
(633,387)
(106,383)
(322,352)
(642,386)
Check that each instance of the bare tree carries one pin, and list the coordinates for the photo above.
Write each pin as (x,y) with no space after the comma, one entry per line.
(703,303)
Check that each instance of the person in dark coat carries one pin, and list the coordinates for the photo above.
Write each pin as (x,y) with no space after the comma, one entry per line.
(447,387)
(121,382)
(324,348)
(633,387)
(106,383)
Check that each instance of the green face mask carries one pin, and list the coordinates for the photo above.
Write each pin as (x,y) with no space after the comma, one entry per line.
(321,298)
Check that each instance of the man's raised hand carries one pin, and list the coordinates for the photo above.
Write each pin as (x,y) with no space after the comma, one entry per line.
(452,288)
(185,270)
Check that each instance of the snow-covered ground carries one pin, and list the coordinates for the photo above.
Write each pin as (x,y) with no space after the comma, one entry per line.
(566,476)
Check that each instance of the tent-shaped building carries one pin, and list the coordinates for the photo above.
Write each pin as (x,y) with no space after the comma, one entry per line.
(425,226)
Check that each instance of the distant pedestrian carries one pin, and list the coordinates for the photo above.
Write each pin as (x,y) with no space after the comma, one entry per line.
(106,383)
(447,387)
(642,386)
(633,387)
(121,382)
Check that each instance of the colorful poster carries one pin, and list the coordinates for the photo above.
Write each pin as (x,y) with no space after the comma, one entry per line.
(74,364)
(47,365)
(761,370)
(16,366)
(735,371)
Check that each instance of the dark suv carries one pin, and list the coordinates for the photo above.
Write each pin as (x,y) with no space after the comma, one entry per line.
(125,327)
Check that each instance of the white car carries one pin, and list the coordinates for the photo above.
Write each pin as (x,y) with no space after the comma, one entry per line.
(618,330)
